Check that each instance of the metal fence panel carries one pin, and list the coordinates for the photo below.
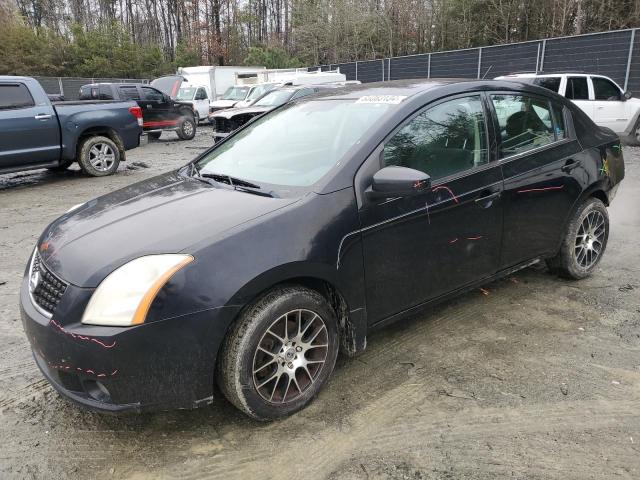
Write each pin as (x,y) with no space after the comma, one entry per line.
(416,66)
(634,71)
(70,87)
(370,71)
(605,54)
(505,59)
(349,69)
(456,64)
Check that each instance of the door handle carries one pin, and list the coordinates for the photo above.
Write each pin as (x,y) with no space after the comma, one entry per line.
(488,198)
(43,116)
(570,165)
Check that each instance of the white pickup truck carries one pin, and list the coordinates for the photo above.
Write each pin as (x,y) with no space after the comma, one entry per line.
(598,96)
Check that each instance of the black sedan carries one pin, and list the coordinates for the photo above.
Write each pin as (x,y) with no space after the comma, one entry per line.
(254,265)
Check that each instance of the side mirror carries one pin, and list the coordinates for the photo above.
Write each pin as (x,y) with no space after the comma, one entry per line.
(628,95)
(398,182)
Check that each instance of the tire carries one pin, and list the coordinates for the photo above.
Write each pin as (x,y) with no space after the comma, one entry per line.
(244,371)
(584,242)
(62,167)
(635,133)
(90,159)
(154,135)
(186,128)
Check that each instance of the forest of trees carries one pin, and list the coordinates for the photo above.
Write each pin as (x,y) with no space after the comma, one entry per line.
(146,38)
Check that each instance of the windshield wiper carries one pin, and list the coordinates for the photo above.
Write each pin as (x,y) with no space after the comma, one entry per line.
(229,180)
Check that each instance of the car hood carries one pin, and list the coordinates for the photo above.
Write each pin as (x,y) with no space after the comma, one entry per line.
(232,112)
(165,214)
(222,103)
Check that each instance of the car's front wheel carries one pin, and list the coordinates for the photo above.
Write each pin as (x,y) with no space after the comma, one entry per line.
(585,241)
(187,128)
(279,353)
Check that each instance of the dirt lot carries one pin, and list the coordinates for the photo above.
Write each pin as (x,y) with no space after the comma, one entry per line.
(538,378)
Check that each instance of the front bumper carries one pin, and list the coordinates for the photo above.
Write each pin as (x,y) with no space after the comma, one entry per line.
(158,365)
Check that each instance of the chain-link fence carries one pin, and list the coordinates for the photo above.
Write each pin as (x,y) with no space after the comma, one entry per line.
(69,87)
(615,54)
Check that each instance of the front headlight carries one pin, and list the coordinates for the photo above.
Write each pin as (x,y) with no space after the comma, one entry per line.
(123,298)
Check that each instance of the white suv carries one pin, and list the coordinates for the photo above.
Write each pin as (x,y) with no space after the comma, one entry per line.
(598,96)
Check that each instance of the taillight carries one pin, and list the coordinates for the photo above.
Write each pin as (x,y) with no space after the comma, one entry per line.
(136,112)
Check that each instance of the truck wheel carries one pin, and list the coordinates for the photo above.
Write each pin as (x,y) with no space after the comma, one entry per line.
(98,156)
(584,242)
(187,128)
(279,353)
(154,135)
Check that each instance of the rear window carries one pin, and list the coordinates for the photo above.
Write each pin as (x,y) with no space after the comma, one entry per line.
(550,83)
(129,93)
(577,88)
(15,95)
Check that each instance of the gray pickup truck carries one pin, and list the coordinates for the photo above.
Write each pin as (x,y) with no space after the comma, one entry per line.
(38,133)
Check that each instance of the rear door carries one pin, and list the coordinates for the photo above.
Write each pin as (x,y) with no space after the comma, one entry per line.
(577,90)
(29,133)
(609,105)
(421,247)
(541,165)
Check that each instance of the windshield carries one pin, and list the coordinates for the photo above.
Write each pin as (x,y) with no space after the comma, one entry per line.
(235,93)
(260,90)
(296,145)
(186,93)
(275,98)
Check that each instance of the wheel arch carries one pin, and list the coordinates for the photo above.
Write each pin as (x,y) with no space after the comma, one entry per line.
(108,132)
(352,328)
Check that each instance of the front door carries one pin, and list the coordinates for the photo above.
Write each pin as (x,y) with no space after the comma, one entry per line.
(157,110)
(609,105)
(541,165)
(201,102)
(29,133)
(418,248)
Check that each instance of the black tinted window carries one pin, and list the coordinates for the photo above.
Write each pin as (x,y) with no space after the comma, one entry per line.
(444,140)
(129,93)
(558,116)
(152,94)
(551,83)
(577,88)
(202,94)
(15,96)
(525,123)
(603,89)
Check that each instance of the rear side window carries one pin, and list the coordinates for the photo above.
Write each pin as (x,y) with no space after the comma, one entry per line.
(558,117)
(129,93)
(577,88)
(444,140)
(550,83)
(15,95)
(603,89)
(525,123)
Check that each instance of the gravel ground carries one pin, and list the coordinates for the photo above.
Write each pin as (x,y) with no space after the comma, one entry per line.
(538,378)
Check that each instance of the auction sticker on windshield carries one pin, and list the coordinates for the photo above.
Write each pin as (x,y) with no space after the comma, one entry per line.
(393,99)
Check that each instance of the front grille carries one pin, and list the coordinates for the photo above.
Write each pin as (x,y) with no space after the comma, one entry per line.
(225,125)
(46,289)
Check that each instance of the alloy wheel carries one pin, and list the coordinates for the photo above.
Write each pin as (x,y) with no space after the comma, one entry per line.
(102,157)
(290,356)
(187,128)
(589,239)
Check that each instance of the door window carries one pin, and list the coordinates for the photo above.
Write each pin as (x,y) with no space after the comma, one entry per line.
(15,96)
(152,95)
(525,123)
(603,89)
(558,117)
(577,88)
(444,140)
(201,94)
(551,83)
(129,93)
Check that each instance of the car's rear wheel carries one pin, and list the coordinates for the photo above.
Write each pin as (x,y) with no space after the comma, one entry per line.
(279,354)
(98,156)
(187,128)
(585,241)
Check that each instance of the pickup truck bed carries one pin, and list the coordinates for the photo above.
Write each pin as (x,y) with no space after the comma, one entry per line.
(36,133)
